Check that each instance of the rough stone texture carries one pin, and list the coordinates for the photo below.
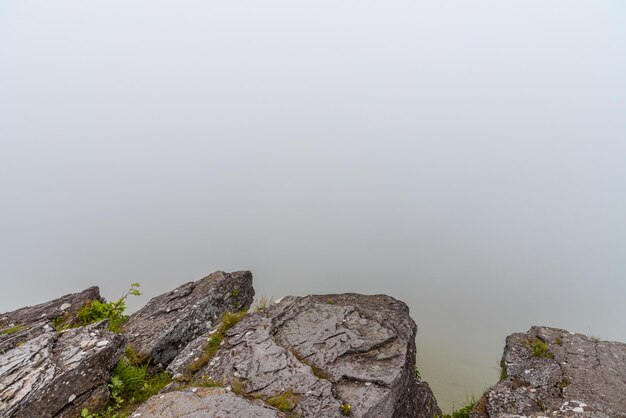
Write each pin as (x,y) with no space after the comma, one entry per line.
(328,350)
(21,325)
(192,352)
(205,403)
(162,328)
(585,378)
(58,374)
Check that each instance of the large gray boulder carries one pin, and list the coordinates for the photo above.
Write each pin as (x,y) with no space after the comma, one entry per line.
(327,351)
(556,373)
(205,403)
(162,328)
(59,374)
(21,325)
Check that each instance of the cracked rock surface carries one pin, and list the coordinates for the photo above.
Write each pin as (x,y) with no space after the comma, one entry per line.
(576,376)
(168,322)
(328,350)
(206,403)
(21,325)
(59,374)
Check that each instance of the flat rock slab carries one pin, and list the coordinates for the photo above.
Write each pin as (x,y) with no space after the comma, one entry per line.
(162,328)
(327,350)
(59,374)
(572,376)
(19,326)
(205,403)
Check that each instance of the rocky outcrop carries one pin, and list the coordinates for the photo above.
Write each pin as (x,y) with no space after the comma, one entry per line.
(59,374)
(314,356)
(326,352)
(204,402)
(21,325)
(168,322)
(555,373)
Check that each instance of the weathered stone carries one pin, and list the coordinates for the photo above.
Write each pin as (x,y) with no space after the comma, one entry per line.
(328,350)
(572,375)
(26,323)
(206,403)
(59,374)
(162,328)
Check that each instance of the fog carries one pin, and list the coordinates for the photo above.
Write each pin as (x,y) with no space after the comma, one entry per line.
(467,158)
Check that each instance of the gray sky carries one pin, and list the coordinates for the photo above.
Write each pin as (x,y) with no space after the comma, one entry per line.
(465,157)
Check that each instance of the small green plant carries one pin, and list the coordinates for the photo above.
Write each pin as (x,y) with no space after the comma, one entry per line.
(345,409)
(464,412)
(285,402)
(503,373)
(235,292)
(262,303)
(558,341)
(21,343)
(85,414)
(130,385)
(133,357)
(540,348)
(95,311)
(13,330)
(205,382)
(563,384)
(329,301)
(416,374)
(594,338)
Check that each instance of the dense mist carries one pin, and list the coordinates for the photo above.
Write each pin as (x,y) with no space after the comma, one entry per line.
(467,158)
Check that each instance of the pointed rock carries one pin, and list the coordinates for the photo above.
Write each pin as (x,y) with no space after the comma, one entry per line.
(162,328)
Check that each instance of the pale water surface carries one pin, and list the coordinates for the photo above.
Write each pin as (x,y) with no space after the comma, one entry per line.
(464,157)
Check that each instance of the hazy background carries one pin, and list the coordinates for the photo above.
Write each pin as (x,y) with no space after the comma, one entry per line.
(466,157)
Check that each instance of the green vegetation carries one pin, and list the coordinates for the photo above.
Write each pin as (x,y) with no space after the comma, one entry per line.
(464,412)
(503,373)
(594,338)
(285,402)
(132,356)
(318,372)
(540,348)
(95,311)
(229,320)
(130,386)
(345,409)
(416,374)
(563,384)
(235,292)
(12,330)
(262,303)
(559,341)
(205,382)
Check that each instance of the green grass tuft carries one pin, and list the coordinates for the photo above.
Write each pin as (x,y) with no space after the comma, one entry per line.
(285,402)
(229,320)
(540,348)
(13,330)
(262,303)
(463,412)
